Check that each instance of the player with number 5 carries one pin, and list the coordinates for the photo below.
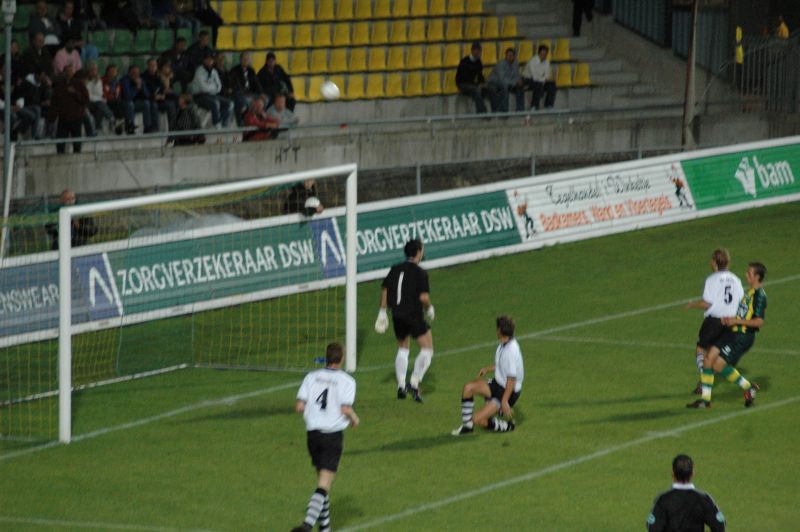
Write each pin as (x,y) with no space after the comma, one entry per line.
(405,289)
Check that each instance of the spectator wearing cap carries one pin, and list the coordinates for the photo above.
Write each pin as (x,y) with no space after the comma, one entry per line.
(504,80)
(206,90)
(274,80)
(469,77)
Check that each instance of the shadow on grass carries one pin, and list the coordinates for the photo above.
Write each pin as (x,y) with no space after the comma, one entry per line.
(637,416)
(620,401)
(413,444)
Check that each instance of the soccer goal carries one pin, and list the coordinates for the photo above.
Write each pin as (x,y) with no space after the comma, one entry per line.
(243,275)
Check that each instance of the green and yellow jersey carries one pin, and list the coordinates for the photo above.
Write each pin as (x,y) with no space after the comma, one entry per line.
(753,305)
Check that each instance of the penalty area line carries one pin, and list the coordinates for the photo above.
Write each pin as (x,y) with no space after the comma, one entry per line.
(533,475)
(39,521)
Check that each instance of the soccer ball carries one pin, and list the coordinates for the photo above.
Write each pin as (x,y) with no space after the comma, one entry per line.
(329,91)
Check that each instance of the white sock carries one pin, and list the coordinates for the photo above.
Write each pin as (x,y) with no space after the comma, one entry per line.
(421,365)
(698,359)
(401,366)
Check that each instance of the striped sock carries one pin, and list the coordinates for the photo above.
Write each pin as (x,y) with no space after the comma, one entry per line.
(467,406)
(498,425)
(707,382)
(698,359)
(325,516)
(315,505)
(733,375)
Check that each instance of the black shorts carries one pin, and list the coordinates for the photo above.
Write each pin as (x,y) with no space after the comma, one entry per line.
(710,331)
(498,391)
(732,346)
(325,449)
(405,326)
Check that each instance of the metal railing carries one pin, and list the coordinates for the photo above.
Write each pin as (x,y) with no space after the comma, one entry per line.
(770,72)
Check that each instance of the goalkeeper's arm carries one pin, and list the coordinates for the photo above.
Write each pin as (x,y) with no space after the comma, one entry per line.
(382,323)
(425,299)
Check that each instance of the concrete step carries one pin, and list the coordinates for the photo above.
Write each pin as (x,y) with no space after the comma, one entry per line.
(643,89)
(536,19)
(546,31)
(587,55)
(649,101)
(615,78)
(507,7)
(606,66)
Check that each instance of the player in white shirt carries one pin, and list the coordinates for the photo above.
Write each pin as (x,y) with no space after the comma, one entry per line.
(501,392)
(721,296)
(326,400)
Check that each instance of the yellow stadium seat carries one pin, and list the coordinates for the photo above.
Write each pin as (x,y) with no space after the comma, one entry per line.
(363,9)
(449,86)
(564,75)
(452,55)
(244,37)
(396,59)
(489,53)
(398,32)
(472,31)
(355,87)
(416,30)
(338,60)
(394,85)
(375,87)
(509,27)
(299,62)
(382,9)
(437,8)
(358,59)
(455,30)
(474,7)
(380,33)
(545,42)
(455,7)
(433,56)
(314,84)
(263,37)
(344,10)
(281,58)
(299,85)
(319,61)
(377,59)
(414,83)
(325,10)
(305,11)
(581,75)
(400,8)
(435,30)
(561,53)
(414,58)
(525,52)
(229,11)
(433,83)
(286,11)
(341,34)
(322,35)
(283,36)
(225,38)
(302,36)
(490,28)
(248,12)
(338,80)
(257,59)
(419,8)
(267,11)
(360,33)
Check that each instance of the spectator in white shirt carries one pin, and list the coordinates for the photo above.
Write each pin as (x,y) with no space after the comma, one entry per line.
(206,89)
(539,78)
(98,108)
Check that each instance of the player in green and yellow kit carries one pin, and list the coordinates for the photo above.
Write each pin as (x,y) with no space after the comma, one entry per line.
(736,341)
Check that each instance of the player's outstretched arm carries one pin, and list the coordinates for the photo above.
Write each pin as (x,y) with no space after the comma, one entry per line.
(351,414)
(484,371)
(701,304)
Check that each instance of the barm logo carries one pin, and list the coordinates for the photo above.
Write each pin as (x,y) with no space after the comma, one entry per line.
(770,175)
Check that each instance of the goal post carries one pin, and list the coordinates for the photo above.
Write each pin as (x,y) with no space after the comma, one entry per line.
(67,256)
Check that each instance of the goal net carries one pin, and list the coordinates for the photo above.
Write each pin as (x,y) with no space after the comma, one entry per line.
(240,275)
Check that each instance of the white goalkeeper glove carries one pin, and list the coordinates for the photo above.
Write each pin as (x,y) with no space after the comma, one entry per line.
(430,313)
(382,323)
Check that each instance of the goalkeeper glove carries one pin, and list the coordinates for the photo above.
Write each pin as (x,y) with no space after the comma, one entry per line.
(430,313)
(382,322)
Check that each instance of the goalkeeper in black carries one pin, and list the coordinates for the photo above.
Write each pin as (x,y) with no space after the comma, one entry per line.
(684,508)
(405,289)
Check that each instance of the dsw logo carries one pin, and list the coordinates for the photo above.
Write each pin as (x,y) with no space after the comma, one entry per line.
(769,175)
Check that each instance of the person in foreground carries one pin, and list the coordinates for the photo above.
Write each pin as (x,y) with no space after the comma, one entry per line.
(684,508)
(501,392)
(326,399)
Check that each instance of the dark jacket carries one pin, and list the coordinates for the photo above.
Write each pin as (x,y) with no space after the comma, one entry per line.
(70,99)
(469,72)
(274,82)
(33,58)
(131,93)
(245,81)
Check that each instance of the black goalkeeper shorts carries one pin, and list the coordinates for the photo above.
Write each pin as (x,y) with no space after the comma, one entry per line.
(405,326)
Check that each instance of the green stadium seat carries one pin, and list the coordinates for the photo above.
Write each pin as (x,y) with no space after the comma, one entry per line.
(22,18)
(123,42)
(165,39)
(143,42)
(102,41)
(185,33)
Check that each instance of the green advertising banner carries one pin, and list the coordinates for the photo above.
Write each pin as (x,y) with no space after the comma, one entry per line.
(743,176)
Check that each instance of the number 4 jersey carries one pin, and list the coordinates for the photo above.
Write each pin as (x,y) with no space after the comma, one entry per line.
(325,392)
(722,291)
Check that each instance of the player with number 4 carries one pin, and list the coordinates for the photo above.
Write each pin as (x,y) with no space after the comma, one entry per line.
(405,289)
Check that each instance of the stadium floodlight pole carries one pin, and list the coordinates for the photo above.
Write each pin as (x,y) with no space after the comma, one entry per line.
(9,8)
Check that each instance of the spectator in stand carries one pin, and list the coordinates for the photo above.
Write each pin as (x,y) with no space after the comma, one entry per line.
(68,55)
(23,116)
(198,51)
(579,8)
(138,100)
(18,69)
(170,103)
(187,121)
(505,79)
(246,87)
(67,24)
(36,93)
(285,117)
(120,14)
(42,22)
(274,80)
(224,78)
(781,30)
(83,228)
(538,76)
(70,98)
(37,57)
(144,14)
(206,89)
(84,11)
(178,59)
(256,117)
(166,14)
(469,77)
(163,101)
(112,93)
(203,12)
(98,108)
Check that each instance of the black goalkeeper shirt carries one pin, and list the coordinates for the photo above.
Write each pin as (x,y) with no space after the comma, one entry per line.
(404,284)
(685,509)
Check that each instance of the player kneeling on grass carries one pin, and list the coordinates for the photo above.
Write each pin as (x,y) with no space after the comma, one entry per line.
(737,340)
(326,400)
(501,392)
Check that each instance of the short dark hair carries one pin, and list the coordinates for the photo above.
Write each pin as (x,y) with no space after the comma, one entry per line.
(476,46)
(412,247)
(511,50)
(682,468)
(334,353)
(721,258)
(543,47)
(506,325)
(270,55)
(180,39)
(203,33)
(759,269)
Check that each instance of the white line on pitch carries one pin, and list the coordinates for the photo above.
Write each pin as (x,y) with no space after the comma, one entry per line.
(89,524)
(652,436)
(635,343)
